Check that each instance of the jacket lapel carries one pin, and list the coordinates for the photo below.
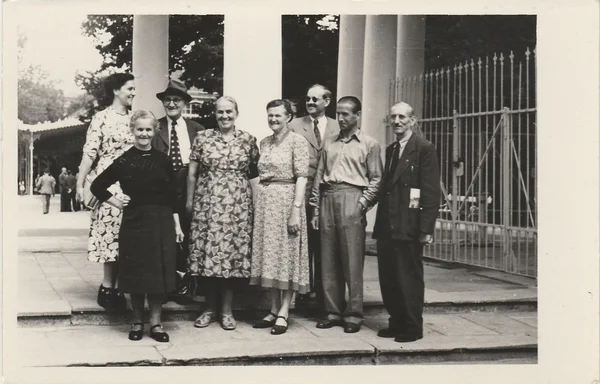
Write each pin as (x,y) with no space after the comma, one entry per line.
(404,161)
(332,128)
(191,130)
(309,133)
(164,131)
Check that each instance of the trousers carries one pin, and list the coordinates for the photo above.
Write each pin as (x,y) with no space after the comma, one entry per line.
(342,225)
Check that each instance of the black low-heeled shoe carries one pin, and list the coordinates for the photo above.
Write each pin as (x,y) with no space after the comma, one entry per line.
(266,323)
(161,337)
(136,335)
(105,297)
(279,329)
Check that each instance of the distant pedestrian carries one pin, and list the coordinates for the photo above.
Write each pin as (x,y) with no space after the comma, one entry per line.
(406,214)
(46,184)
(21,187)
(65,203)
(150,228)
(72,191)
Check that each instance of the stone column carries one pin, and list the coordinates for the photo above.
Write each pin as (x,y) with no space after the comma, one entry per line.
(410,56)
(379,70)
(351,56)
(150,61)
(252,68)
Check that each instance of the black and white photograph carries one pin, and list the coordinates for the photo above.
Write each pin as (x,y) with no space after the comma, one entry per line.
(297,189)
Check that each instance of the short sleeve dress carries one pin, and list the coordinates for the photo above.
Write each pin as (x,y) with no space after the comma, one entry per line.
(108,137)
(280,260)
(222,218)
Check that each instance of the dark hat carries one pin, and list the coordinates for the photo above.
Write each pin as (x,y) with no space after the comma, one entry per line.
(175,87)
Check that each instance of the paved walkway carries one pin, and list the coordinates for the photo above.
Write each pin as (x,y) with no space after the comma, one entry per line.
(56,281)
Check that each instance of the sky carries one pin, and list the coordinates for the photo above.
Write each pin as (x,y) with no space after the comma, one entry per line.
(57,44)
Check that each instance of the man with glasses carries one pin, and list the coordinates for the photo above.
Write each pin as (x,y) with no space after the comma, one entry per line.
(315,127)
(175,138)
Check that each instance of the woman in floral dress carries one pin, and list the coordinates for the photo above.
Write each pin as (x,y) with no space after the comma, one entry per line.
(280,244)
(108,137)
(222,163)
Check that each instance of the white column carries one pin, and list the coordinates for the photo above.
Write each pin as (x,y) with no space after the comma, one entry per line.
(150,61)
(410,55)
(379,70)
(351,56)
(252,67)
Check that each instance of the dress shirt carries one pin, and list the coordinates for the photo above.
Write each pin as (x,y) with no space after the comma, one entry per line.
(185,147)
(403,142)
(322,125)
(355,161)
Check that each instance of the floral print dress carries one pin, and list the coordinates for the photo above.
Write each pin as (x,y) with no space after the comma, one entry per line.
(108,137)
(280,260)
(221,227)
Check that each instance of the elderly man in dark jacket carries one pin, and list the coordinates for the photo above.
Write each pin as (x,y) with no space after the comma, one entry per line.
(406,216)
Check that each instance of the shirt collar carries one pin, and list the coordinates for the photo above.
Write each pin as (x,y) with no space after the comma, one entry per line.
(356,135)
(322,120)
(404,140)
(179,121)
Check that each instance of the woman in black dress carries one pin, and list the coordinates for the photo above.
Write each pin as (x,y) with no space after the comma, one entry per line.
(150,226)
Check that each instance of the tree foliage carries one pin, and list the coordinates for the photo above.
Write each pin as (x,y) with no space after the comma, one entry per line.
(39,100)
(195,51)
(310,55)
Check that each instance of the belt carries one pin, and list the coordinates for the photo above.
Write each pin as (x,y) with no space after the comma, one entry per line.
(275,180)
(331,187)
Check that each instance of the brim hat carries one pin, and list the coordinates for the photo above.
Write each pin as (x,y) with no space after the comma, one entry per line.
(175,87)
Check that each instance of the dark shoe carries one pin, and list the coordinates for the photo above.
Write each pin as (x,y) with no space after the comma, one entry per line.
(266,323)
(161,337)
(387,333)
(105,297)
(351,328)
(119,300)
(136,335)
(279,329)
(329,323)
(407,338)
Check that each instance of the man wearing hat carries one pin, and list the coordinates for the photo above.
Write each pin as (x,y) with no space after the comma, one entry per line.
(175,138)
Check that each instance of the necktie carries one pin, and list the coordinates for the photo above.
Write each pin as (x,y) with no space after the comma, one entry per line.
(317,132)
(175,153)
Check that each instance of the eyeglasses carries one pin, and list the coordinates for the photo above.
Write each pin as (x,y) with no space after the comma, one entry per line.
(176,100)
(314,99)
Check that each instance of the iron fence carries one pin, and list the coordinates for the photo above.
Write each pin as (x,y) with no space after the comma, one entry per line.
(481,116)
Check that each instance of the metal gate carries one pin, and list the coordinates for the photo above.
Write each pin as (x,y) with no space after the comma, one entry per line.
(481,116)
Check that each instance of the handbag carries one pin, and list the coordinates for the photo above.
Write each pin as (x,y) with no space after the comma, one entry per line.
(89,200)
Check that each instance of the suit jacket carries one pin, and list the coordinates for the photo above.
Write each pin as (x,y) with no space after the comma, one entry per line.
(304,127)
(62,183)
(417,168)
(161,140)
(46,184)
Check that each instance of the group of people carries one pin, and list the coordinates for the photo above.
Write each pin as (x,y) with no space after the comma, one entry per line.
(45,185)
(287,214)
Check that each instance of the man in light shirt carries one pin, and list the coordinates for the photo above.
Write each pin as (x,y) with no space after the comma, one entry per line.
(408,207)
(316,127)
(175,138)
(346,186)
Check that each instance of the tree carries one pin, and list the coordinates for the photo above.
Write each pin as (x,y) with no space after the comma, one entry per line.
(310,54)
(38,98)
(195,50)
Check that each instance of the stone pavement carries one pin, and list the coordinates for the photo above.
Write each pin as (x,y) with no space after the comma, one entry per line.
(482,312)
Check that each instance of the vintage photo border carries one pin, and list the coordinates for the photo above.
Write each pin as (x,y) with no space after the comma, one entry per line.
(567,49)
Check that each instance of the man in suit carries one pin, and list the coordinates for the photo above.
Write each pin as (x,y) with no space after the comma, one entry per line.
(65,204)
(72,187)
(408,207)
(175,138)
(316,127)
(45,184)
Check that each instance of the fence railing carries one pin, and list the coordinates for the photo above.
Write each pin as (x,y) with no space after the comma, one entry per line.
(481,116)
